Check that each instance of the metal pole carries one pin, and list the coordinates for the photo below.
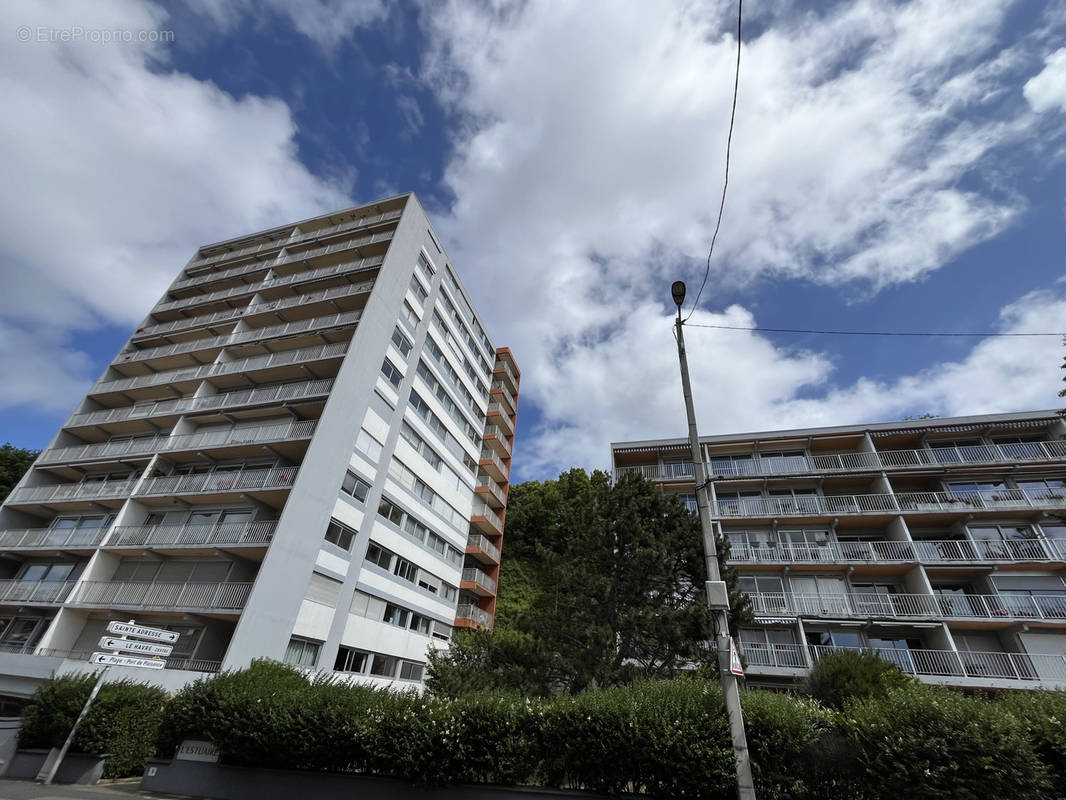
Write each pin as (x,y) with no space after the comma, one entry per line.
(70,737)
(717,596)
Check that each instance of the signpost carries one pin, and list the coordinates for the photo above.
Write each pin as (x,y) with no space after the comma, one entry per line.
(734,659)
(124,653)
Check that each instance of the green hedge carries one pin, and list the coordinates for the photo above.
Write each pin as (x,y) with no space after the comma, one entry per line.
(123,720)
(660,739)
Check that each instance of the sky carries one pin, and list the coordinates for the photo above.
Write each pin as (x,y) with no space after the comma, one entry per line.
(896,166)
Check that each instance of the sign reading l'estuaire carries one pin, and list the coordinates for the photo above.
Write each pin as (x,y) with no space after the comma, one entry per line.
(117,660)
(142,632)
(134,646)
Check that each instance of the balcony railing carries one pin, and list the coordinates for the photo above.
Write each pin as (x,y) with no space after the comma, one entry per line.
(34,592)
(278,392)
(926,552)
(255,288)
(475,614)
(965,664)
(487,482)
(220,482)
(499,389)
(85,490)
(1048,607)
(774,655)
(858,462)
(479,578)
(215,596)
(289,431)
(172,662)
(234,533)
(224,367)
(482,509)
(833,505)
(50,538)
(500,369)
(500,416)
(476,540)
(253,335)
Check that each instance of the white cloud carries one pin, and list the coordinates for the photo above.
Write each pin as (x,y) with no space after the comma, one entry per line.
(326,22)
(872,147)
(113,164)
(1047,90)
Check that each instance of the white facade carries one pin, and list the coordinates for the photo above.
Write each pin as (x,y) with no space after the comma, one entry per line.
(300,454)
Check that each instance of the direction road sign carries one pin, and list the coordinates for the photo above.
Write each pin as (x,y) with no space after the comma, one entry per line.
(141,632)
(134,646)
(116,660)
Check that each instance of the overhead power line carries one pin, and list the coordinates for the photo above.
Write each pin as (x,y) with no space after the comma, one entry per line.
(863,333)
(728,149)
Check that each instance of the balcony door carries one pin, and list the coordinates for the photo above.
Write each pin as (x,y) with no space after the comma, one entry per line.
(820,595)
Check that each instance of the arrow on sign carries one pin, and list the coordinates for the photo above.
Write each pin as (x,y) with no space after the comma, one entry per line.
(141,632)
(116,660)
(133,646)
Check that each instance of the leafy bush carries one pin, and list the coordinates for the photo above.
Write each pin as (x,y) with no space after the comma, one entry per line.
(927,742)
(123,720)
(849,675)
(1043,715)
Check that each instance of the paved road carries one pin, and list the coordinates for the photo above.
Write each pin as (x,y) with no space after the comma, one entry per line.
(29,790)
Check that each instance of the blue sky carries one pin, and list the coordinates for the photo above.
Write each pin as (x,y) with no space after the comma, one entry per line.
(896,166)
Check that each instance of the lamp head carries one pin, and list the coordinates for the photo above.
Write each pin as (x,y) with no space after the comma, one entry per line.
(678,291)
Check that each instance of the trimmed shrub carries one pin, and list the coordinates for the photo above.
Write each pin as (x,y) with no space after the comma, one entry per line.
(927,742)
(1043,715)
(123,720)
(847,675)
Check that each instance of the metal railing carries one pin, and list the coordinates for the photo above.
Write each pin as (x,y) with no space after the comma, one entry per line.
(26,592)
(1053,450)
(483,509)
(279,358)
(833,505)
(491,455)
(924,551)
(476,540)
(189,441)
(225,533)
(965,664)
(1005,605)
(474,613)
(236,481)
(50,538)
(502,368)
(503,420)
(172,662)
(73,491)
(497,387)
(213,595)
(488,482)
(476,576)
(277,392)
(495,430)
(774,655)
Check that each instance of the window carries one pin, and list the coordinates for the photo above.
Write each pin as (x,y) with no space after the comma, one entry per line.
(409,316)
(390,511)
(340,535)
(355,486)
(418,289)
(405,569)
(402,343)
(323,590)
(447,592)
(426,267)
(368,445)
(378,555)
(1044,489)
(392,375)
(394,615)
(411,671)
(350,660)
(301,652)
(384,666)
(421,624)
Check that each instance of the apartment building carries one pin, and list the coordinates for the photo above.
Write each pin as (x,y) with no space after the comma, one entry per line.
(939,544)
(302,453)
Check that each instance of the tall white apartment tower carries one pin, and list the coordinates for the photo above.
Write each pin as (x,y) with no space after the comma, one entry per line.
(302,453)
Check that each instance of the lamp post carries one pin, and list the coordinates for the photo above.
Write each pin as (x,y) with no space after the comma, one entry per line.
(717,593)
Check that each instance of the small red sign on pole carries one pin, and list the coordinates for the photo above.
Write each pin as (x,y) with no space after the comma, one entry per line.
(734,659)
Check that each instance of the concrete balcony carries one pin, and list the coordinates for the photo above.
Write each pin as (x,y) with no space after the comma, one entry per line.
(493,465)
(996,607)
(220,482)
(51,539)
(248,289)
(488,490)
(470,616)
(281,358)
(496,439)
(476,581)
(501,394)
(213,344)
(34,593)
(502,372)
(192,536)
(482,549)
(903,502)
(953,551)
(498,416)
(213,596)
(85,490)
(211,439)
(485,519)
(261,395)
(257,249)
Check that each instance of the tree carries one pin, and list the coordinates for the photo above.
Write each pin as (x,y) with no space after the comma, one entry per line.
(601,584)
(14,461)
(839,677)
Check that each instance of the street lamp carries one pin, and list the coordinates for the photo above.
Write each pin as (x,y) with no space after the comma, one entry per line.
(717,593)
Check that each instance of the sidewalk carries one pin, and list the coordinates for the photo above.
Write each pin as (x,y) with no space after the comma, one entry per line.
(31,790)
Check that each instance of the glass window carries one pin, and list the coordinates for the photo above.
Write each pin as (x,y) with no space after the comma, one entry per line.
(368,445)
(350,660)
(418,289)
(384,666)
(392,375)
(340,535)
(405,569)
(378,555)
(301,652)
(390,511)
(402,343)
(394,615)
(355,486)
(411,671)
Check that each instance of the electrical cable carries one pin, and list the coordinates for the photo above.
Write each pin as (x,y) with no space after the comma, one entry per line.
(863,333)
(728,149)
